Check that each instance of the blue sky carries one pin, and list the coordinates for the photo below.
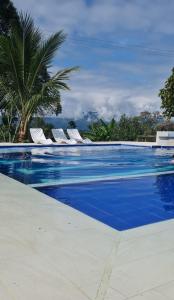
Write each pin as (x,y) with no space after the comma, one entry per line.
(125,49)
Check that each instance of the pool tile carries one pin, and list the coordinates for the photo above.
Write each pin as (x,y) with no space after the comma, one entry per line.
(115,204)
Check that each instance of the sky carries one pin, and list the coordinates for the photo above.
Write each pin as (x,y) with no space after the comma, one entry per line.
(124,48)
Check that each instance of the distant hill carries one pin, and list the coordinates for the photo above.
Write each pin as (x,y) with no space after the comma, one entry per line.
(58,122)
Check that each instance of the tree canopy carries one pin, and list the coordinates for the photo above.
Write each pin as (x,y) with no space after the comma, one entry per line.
(167,97)
(8,15)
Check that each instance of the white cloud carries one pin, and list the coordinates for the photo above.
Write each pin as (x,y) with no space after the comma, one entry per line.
(92,93)
(101,16)
(110,84)
(54,15)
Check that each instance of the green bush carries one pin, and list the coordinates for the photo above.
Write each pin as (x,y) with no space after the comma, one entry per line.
(166,126)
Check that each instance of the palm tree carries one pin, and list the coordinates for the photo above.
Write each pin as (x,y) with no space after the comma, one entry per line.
(24,81)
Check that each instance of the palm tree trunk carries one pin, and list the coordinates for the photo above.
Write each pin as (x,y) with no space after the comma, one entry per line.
(22,130)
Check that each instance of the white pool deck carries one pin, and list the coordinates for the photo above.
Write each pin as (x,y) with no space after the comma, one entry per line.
(49,251)
(144,144)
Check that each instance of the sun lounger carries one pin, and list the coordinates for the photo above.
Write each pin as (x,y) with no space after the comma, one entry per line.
(74,134)
(60,137)
(38,136)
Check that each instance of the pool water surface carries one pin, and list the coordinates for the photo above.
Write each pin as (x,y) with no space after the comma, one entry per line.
(121,204)
(123,187)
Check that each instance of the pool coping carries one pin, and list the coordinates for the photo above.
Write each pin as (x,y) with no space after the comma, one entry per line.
(67,255)
(117,143)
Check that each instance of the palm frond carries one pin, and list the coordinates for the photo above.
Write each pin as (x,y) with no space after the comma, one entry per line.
(25,38)
(44,55)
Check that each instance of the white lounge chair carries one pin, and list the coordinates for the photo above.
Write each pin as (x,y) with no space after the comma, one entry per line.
(38,136)
(60,137)
(74,134)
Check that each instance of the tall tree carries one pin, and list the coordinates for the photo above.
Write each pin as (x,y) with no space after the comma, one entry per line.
(8,15)
(24,56)
(167,97)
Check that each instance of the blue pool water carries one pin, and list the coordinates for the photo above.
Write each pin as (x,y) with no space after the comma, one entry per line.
(123,187)
(121,204)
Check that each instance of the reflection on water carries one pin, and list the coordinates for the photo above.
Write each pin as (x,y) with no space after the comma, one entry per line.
(50,164)
(165,185)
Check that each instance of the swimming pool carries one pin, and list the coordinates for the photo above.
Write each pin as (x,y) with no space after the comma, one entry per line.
(124,187)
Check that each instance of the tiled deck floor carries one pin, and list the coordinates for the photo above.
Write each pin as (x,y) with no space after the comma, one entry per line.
(48,251)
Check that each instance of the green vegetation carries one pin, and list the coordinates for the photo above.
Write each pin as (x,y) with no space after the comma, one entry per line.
(102,131)
(167,97)
(8,15)
(26,86)
(142,127)
(165,126)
